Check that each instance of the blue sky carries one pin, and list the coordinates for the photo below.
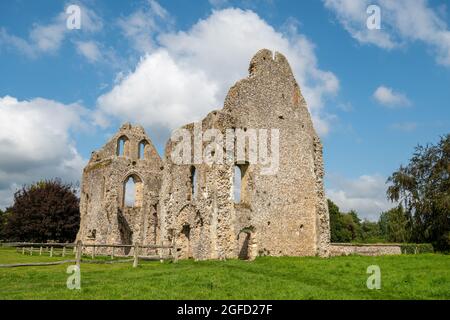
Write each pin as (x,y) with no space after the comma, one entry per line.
(373,94)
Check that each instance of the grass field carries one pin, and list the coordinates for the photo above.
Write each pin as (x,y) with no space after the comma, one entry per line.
(425,276)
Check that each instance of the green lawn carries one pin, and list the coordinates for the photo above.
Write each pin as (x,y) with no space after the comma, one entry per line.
(425,276)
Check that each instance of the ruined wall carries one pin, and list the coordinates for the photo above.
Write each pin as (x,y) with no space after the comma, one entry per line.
(280,214)
(281,211)
(105,216)
(345,249)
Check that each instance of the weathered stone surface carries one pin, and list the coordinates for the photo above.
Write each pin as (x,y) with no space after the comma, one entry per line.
(279,214)
(104,216)
(345,249)
(282,214)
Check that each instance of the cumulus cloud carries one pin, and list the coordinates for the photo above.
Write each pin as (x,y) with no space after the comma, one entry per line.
(388,97)
(352,15)
(142,25)
(35,143)
(365,194)
(48,38)
(160,92)
(190,72)
(402,21)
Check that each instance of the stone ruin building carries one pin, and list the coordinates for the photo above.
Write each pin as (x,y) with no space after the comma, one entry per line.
(194,204)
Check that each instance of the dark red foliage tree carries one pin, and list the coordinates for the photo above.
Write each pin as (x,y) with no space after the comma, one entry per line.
(47,210)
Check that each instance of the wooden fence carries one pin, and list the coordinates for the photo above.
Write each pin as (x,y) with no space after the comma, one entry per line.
(135,253)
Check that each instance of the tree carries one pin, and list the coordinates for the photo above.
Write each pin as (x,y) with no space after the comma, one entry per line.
(344,227)
(423,188)
(370,232)
(47,210)
(395,225)
(2,222)
(334,213)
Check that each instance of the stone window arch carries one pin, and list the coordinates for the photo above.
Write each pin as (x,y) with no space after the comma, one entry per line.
(133,191)
(123,144)
(143,149)
(193,182)
(247,243)
(240,183)
(184,241)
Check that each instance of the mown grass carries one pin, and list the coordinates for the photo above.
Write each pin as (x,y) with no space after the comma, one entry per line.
(424,276)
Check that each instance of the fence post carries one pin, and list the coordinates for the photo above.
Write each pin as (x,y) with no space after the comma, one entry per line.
(64,251)
(40,251)
(78,252)
(136,255)
(31,251)
(93,252)
(51,251)
(112,253)
(23,250)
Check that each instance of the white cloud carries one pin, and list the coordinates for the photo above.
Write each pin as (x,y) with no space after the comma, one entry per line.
(8,40)
(365,194)
(402,21)
(388,97)
(352,15)
(191,71)
(142,25)
(48,38)
(35,143)
(158,10)
(161,93)
(89,49)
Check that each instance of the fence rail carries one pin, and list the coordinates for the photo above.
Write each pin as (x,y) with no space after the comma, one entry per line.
(79,248)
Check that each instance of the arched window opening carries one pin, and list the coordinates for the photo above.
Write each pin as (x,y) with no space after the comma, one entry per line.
(186,230)
(133,192)
(247,242)
(184,242)
(237,184)
(240,179)
(244,242)
(142,149)
(193,182)
(122,146)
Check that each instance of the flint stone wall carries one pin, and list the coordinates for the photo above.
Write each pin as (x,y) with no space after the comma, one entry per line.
(104,216)
(282,214)
(345,249)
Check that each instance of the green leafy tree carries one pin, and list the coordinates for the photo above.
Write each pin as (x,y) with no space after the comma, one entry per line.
(395,225)
(351,227)
(2,223)
(335,227)
(344,227)
(371,232)
(423,188)
(47,210)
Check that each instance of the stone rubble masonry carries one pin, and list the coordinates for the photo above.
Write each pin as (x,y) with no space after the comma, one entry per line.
(104,217)
(284,214)
(345,249)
